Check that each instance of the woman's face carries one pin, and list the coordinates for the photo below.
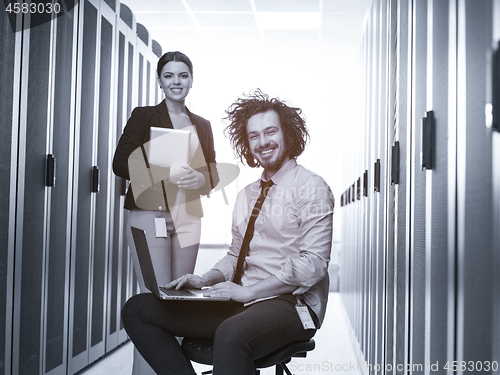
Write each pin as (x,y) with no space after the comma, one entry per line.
(176,80)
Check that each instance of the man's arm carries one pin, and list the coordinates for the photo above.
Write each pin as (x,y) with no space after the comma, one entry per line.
(315,205)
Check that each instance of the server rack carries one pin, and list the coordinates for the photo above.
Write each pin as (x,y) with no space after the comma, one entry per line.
(85,296)
(104,139)
(9,115)
(379,189)
(63,209)
(419,179)
(474,186)
(496,201)
(57,267)
(118,256)
(433,247)
(34,198)
(440,262)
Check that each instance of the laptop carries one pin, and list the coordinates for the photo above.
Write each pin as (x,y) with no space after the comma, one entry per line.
(149,276)
(168,147)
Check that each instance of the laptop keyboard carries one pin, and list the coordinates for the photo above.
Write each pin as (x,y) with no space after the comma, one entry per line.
(176,293)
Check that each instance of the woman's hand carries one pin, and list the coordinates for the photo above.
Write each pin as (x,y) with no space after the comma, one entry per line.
(186,178)
(230,290)
(187,281)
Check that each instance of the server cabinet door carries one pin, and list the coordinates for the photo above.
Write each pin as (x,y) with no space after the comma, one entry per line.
(390,188)
(83,197)
(363,206)
(59,233)
(496,201)
(440,192)
(398,219)
(117,217)
(33,196)
(118,266)
(103,218)
(10,57)
(418,185)
(475,256)
(376,190)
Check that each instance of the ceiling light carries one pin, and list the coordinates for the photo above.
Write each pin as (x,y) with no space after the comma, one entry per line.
(288,20)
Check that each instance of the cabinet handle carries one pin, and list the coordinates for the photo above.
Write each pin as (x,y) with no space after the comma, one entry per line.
(494,107)
(95,179)
(395,164)
(376,176)
(50,171)
(365,183)
(428,140)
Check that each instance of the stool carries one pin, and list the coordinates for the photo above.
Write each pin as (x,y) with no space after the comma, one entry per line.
(201,351)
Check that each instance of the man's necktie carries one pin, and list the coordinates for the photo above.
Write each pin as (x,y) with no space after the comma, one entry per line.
(249,232)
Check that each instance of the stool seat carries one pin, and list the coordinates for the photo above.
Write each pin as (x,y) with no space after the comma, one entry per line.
(201,351)
(284,354)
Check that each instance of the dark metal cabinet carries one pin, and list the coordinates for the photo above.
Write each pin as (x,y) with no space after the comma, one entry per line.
(475,251)
(423,290)
(65,266)
(9,113)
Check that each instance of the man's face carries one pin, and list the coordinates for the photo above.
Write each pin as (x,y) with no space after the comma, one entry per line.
(267,142)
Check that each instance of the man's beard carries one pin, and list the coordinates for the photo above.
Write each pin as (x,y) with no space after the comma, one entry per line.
(274,163)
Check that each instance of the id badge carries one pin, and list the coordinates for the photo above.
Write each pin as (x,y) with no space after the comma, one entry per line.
(160,227)
(304,315)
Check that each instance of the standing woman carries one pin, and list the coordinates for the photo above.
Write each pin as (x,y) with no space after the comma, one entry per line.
(166,197)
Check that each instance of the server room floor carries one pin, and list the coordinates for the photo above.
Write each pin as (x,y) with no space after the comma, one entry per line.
(334,351)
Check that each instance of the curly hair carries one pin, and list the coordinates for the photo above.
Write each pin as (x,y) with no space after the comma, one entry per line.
(292,122)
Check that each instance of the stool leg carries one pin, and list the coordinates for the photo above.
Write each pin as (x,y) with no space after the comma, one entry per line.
(279,369)
(284,367)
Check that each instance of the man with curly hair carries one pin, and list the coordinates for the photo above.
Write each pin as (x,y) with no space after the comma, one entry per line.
(276,265)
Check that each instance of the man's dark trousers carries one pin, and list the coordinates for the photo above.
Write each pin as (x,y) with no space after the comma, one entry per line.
(240,334)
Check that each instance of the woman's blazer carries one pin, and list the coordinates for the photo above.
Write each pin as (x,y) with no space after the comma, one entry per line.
(137,133)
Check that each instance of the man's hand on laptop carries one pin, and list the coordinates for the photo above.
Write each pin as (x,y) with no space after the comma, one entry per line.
(228,289)
(209,278)
(187,281)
